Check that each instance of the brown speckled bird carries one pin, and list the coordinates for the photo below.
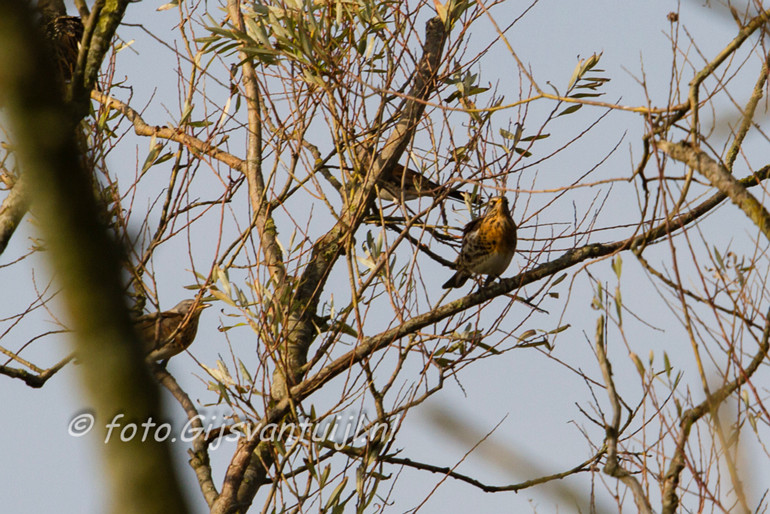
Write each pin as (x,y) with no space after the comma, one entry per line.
(158,328)
(489,243)
(65,34)
(404,183)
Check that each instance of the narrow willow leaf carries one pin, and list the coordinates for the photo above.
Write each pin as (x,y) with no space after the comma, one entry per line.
(170,5)
(522,152)
(151,156)
(638,363)
(535,138)
(527,334)
(570,110)
(559,329)
(617,265)
(334,498)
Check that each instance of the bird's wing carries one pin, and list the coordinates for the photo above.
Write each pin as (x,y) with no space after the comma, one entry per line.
(145,320)
(471,226)
(150,331)
(420,181)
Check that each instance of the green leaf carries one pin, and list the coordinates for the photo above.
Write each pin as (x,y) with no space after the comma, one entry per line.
(535,344)
(575,74)
(718,257)
(558,280)
(257,32)
(324,476)
(228,327)
(475,90)
(220,276)
(244,372)
(366,261)
(207,39)
(488,348)
(617,265)
(224,373)
(507,135)
(593,61)
(526,335)
(223,394)
(597,303)
(312,78)
(535,138)
(442,362)
(362,45)
(163,158)
(186,114)
(582,68)
(334,498)
(219,295)
(570,110)
(264,55)
(151,156)
(586,95)
(522,152)
(241,297)
(559,329)
(119,47)
(170,5)
(346,329)
(221,32)
(745,398)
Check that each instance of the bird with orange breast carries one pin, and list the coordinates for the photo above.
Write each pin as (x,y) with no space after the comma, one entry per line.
(489,243)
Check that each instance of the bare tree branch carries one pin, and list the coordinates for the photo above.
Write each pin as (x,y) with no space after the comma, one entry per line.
(612,466)
(36,380)
(691,416)
(583,466)
(143,129)
(720,178)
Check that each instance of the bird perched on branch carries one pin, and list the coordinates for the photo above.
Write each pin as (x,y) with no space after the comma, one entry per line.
(170,332)
(489,243)
(64,34)
(404,183)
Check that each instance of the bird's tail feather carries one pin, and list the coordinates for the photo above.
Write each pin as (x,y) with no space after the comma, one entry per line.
(457,280)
